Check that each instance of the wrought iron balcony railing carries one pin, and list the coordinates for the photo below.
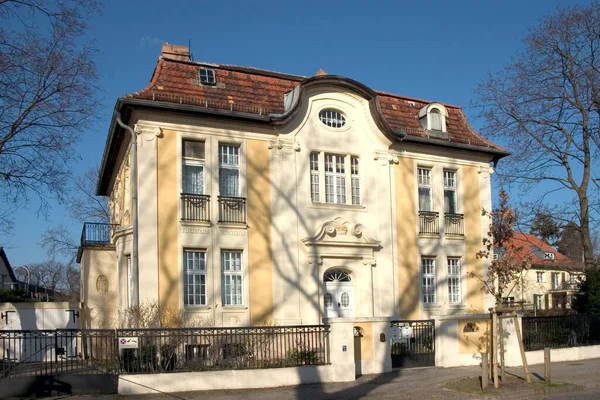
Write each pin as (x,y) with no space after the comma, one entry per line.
(195,207)
(97,234)
(429,223)
(232,209)
(454,224)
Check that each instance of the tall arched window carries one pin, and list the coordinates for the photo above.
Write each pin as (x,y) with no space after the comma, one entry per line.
(436,120)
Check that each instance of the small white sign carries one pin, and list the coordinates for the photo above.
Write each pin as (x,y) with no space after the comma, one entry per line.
(128,343)
(395,333)
(406,332)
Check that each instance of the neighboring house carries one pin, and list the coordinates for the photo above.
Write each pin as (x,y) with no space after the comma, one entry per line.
(273,198)
(552,279)
(7,276)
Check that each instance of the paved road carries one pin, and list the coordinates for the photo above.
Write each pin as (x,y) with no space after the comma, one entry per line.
(587,395)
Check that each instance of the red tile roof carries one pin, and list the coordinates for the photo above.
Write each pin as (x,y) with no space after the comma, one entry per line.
(255,91)
(527,245)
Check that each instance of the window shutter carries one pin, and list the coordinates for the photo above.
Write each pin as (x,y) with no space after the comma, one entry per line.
(193,149)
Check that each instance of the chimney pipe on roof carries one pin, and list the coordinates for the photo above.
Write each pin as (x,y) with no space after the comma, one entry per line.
(175,52)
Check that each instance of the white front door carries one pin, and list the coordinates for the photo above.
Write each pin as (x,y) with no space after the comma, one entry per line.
(339,294)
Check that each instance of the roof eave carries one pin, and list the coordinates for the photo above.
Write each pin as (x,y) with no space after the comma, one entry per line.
(496,153)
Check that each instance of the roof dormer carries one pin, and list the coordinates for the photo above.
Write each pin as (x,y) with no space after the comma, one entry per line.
(433,119)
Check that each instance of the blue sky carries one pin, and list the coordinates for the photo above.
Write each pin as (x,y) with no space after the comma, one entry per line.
(435,50)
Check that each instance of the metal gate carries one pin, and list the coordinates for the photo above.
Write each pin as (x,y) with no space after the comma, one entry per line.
(413,343)
(57,362)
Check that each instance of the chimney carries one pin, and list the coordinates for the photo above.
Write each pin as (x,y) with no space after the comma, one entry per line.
(321,72)
(175,52)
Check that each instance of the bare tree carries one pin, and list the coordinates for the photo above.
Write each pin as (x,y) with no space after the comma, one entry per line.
(546,104)
(47,97)
(58,279)
(83,206)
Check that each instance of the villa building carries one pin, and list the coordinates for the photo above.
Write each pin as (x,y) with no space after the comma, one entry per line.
(266,197)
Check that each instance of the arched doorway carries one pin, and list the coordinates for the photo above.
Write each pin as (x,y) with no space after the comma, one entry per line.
(339,294)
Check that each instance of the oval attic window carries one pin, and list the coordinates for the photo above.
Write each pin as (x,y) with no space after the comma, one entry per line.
(332,118)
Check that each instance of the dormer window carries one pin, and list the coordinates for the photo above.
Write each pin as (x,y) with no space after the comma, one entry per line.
(433,119)
(436,120)
(207,76)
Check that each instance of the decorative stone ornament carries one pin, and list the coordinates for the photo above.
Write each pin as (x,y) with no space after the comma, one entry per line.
(147,134)
(340,239)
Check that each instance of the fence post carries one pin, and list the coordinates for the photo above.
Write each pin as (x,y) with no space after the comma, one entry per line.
(547,366)
(484,371)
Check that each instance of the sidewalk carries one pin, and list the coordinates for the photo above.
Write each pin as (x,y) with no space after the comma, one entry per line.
(421,383)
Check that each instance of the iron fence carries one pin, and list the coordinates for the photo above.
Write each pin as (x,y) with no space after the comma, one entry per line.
(201,349)
(232,209)
(453,225)
(96,233)
(122,351)
(561,331)
(429,223)
(195,207)
(52,352)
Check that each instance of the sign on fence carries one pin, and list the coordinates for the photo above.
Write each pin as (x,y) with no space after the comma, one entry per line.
(128,343)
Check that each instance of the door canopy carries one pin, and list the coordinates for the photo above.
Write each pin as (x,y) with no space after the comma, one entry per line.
(342,240)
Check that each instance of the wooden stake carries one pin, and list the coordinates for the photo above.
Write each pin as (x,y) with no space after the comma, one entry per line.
(495,350)
(547,366)
(522,348)
(484,371)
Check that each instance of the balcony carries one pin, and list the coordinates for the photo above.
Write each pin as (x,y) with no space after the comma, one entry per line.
(195,207)
(97,234)
(453,225)
(429,223)
(232,210)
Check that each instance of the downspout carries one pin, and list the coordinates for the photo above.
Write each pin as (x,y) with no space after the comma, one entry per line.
(134,213)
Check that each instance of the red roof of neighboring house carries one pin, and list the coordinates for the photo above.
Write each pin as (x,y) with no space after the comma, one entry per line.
(262,92)
(527,245)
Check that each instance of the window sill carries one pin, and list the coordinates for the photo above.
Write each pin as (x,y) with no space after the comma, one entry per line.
(455,237)
(429,235)
(206,224)
(432,306)
(232,225)
(457,306)
(336,206)
(196,308)
(234,308)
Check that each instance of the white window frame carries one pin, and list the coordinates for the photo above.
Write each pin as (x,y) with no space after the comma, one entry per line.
(424,182)
(428,280)
(129,282)
(192,162)
(539,277)
(232,273)
(555,280)
(355,180)
(315,176)
(197,259)
(433,126)
(341,185)
(229,161)
(454,280)
(207,76)
(335,179)
(539,301)
(450,185)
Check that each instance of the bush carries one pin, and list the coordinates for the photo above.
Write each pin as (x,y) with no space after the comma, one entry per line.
(14,296)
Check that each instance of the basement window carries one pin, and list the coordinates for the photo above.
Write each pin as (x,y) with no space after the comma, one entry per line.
(207,76)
